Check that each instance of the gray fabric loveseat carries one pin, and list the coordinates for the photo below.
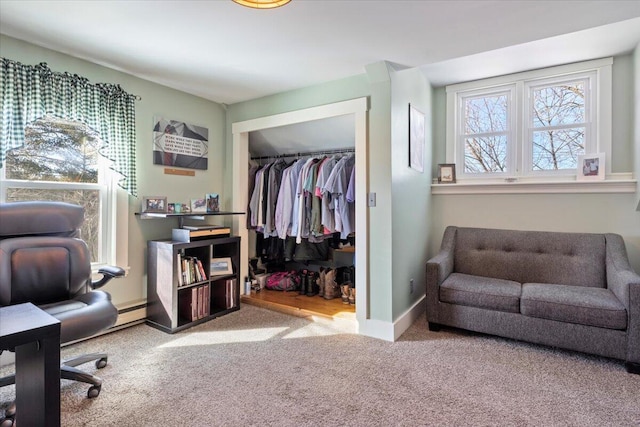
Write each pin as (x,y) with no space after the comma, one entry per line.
(575,291)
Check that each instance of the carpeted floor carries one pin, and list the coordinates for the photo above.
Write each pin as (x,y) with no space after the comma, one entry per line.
(257,367)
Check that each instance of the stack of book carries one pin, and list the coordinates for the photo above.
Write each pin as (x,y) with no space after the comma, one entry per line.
(190,270)
(190,233)
(196,303)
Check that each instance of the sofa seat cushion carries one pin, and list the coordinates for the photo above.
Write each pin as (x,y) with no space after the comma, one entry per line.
(482,292)
(574,304)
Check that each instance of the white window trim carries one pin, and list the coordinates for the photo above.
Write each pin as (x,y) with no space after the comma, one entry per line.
(113,216)
(619,182)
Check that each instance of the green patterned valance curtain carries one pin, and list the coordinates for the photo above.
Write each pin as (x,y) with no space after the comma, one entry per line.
(29,92)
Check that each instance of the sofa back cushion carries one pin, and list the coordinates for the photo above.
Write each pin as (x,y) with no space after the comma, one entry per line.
(532,256)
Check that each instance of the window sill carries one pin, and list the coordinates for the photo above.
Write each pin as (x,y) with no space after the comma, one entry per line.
(613,184)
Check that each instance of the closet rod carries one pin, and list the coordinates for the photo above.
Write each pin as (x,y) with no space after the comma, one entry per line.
(310,153)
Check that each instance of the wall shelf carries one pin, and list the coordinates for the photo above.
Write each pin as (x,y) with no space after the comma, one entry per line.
(182,216)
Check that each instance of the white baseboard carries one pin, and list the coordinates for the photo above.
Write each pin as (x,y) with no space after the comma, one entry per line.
(391,331)
(411,315)
(130,315)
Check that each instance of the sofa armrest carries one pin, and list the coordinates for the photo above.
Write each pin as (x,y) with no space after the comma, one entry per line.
(620,275)
(438,269)
(625,284)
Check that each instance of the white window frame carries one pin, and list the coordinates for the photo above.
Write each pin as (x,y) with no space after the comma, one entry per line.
(113,206)
(599,70)
(510,91)
(591,120)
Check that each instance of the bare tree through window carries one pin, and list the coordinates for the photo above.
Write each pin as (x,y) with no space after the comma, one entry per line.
(486,128)
(559,126)
(57,160)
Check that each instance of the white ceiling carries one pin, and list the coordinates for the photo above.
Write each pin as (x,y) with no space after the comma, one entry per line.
(228,53)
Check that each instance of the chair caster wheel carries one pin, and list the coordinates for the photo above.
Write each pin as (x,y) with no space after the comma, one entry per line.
(101,363)
(9,416)
(94,391)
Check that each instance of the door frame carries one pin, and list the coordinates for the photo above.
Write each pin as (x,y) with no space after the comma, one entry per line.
(359,108)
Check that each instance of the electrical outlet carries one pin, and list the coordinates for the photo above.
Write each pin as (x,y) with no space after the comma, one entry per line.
(411,286)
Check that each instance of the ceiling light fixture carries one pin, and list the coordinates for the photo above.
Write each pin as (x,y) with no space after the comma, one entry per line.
(262,4)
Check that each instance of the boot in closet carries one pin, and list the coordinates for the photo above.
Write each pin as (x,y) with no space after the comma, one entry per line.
(303,282)
(320,281)
(311,284)
(345,293)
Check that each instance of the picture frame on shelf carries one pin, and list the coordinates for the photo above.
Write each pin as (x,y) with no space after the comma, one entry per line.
(213,202)
(154,204)
(220,266)
(198,206)
(591,167)
(446,173)
(171,208)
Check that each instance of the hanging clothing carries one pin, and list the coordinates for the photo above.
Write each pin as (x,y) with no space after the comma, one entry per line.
(308,200)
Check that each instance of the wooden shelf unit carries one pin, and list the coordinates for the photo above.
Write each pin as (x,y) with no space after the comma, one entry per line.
(168,303)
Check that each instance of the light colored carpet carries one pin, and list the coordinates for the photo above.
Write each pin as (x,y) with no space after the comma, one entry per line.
(257,367)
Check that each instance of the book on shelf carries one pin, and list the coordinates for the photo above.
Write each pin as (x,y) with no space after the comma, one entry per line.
(195,303)
(190,270)
(179,270)
(203,275)
(230,286)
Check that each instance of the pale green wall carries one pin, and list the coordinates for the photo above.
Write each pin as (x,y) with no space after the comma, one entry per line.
(596,213)
(411,191)
(156,100)
(375,85)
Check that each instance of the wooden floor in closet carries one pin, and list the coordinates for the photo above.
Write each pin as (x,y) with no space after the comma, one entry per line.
(300,305)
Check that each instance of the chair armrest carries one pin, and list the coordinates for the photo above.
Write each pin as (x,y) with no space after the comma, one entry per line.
(108,272)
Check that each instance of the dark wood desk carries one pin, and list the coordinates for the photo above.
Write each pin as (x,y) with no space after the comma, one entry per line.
(35,335)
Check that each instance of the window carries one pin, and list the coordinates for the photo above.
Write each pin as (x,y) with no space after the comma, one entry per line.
(530,126)
(60,162)
(58,159)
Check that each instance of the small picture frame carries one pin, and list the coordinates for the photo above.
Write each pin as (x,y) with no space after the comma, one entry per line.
(213,202)
(220,266)
(198,206)
(171,208)
(590,167)
(446,173)
(154,204)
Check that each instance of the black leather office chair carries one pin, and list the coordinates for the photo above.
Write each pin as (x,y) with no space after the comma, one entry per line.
(43,262)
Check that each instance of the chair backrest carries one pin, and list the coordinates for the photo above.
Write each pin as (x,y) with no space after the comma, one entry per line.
(41,260)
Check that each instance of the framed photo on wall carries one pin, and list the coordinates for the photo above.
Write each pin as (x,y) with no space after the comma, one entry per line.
(447,173)
(590,167)
(416,139)
(154,204)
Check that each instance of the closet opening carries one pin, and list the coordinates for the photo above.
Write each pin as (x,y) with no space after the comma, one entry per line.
(301,221)
(307,266)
